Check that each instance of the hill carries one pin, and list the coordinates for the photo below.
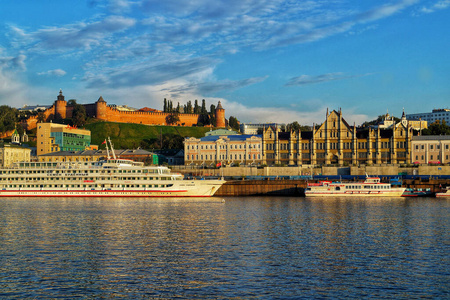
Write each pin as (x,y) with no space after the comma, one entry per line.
(131,136)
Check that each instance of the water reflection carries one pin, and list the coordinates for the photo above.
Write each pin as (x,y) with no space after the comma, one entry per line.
(243,247)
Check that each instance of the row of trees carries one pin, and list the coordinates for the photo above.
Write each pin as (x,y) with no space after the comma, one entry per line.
(187,108)
(206,117)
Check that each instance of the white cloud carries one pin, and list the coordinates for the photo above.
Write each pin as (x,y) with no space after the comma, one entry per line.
(308,79)
(73,36)
(13,63)
(56,72)
(437,6)
(12,91)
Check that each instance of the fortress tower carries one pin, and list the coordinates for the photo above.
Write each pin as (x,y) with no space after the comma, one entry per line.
(220,116)
(101,109)
(60,106)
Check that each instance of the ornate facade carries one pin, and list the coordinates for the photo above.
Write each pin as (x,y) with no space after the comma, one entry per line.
(336,142)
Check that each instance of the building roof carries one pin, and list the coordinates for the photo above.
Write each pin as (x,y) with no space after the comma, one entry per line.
(430,137)
(221,132)
(239,137)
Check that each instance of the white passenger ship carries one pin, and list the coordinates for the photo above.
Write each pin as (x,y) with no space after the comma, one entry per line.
(370,187)
(109,178)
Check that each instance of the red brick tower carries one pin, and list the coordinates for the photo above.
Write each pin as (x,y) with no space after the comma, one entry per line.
(101,109)
(60,106)
(220,116)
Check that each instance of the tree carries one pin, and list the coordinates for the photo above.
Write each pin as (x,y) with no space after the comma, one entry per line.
(437,128)
(212,114)
(196,107)
(172,119)
(189,107)
(233,123)
(40,117)
(294,126)
(8,118)
(165,105)
(79,115)
(72,102)
(203,109)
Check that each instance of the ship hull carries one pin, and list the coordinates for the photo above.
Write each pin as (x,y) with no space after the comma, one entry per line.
(201,188)
(393,193)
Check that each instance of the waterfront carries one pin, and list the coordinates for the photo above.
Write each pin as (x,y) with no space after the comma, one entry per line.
(253,247)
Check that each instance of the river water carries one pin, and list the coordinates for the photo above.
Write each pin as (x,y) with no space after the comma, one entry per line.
(232,248)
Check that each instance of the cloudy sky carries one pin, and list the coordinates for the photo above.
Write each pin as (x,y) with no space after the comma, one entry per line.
(265,60)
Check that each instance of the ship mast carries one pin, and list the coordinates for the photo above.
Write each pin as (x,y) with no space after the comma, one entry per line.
(112,148)
(107,151)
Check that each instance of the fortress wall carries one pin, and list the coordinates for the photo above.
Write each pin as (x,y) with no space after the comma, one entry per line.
(148,118)
(91,109)
(31,122)
(69,112)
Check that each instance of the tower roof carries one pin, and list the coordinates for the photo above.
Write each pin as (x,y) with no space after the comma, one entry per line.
(101,99)
(219,106)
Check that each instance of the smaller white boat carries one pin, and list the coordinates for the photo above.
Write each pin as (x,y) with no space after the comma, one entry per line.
(371,187)
(444,193)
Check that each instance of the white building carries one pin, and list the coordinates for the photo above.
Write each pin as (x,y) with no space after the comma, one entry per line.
(248,128)
(442,114)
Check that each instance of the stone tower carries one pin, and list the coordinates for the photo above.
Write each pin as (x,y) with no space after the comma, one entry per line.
(101,109)
(60,106)
(220,116)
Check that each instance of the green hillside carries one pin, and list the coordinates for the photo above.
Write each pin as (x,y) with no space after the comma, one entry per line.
(131,136)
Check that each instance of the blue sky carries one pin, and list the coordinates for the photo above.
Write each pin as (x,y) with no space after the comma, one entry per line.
(265,60)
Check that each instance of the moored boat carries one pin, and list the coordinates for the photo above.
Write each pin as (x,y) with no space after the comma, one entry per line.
(418,193)
(444,193)
(371,186)
(113,177)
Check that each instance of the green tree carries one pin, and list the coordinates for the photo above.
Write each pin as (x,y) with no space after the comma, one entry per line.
(41,117)
(8,118)
(294,126)
(79,115)
(203,109)
(212,114)
(172,119)
(189,107)
(233,123)
(196,107)
(72,102)
(165,105)
(437,128)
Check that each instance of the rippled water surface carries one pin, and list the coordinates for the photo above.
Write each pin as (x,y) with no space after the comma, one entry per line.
(266,247)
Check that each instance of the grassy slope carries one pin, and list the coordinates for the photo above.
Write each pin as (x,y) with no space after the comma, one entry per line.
(125,135)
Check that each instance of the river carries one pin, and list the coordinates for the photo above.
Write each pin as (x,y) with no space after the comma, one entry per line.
(224,248)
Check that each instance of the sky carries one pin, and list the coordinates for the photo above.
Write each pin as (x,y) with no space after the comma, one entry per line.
(265,60)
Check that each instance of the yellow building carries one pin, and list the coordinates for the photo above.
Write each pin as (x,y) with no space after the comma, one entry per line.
(335,142)
(10,154)
(53,137)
